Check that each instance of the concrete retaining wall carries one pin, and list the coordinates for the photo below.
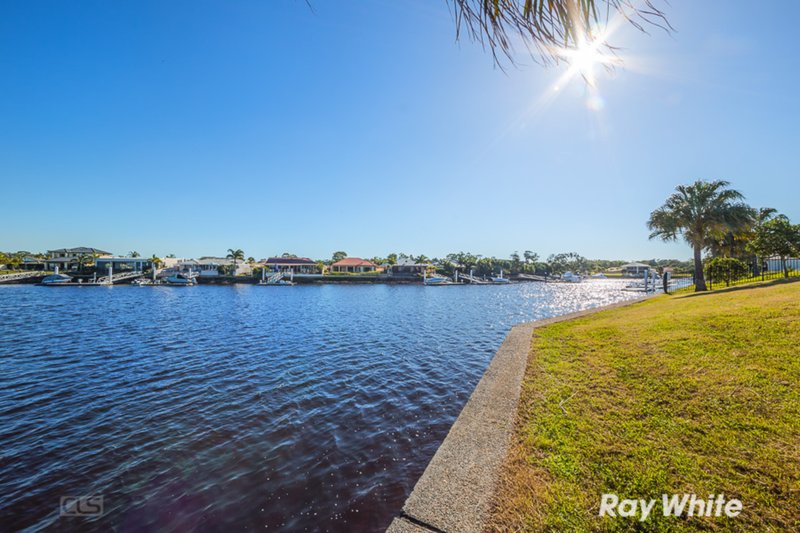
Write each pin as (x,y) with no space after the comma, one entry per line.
(455,491)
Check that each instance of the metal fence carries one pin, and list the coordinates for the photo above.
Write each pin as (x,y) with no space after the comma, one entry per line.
(722,280)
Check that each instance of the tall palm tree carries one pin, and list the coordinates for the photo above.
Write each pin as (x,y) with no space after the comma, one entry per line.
(701,213)
(236,255)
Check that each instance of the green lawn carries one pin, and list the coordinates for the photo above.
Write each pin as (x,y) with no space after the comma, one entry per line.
(684,394)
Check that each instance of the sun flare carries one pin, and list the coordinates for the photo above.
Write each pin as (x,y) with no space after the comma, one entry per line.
(585,60)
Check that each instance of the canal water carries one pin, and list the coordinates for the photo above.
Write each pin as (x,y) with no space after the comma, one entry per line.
(242,407)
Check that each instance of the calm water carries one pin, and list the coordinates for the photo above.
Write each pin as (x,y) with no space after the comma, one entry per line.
(242,408)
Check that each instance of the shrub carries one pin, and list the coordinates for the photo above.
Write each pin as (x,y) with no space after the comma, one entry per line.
(727,269)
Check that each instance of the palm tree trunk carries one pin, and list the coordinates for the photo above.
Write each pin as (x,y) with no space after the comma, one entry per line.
(699,278)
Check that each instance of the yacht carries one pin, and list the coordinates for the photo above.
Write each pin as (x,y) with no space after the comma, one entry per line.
(180,280)
(571,277)
(56,279)
(438,280)
(435,280)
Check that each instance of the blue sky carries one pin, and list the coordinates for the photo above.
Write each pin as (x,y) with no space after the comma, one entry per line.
(190,127)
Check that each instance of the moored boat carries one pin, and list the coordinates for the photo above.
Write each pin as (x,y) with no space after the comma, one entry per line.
(438,280)
(501,280)
(180,280)
(56,279)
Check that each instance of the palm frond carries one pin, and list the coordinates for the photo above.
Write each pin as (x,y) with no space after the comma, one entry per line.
(545,26)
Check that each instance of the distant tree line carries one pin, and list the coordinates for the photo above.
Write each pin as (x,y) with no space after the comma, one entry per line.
(526,263)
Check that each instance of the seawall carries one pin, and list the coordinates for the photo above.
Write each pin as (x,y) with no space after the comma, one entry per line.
(454,493)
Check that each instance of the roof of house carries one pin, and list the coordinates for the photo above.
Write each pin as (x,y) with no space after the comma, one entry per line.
(408,262)
(218,261)
(290,261)
(354,262)
(79,250)
(120,259)
(637,265)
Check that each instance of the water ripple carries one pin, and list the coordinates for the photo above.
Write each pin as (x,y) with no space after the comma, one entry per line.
(312,408)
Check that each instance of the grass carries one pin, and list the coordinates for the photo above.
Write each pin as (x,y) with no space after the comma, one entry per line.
(685,394)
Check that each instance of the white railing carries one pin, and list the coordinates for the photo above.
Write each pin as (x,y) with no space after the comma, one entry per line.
(21,275)
(120,277)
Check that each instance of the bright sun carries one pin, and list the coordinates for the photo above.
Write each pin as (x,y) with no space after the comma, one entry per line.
(585,59)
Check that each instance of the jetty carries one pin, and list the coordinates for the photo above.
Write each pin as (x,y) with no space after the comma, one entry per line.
(530,277)
(469,278)
(23,277)
(117,278)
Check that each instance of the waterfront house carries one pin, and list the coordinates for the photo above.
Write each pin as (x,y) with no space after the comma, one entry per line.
(209,267)
(70,258)
(298,265)
(406,268)
(32,263)
(634,270)
(122,264)
(354,265)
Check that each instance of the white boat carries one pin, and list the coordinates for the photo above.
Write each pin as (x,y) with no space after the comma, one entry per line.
(599,276)
(180,280)
(435,280)
(56,279)
(438,280)
(571,277)
(500,279)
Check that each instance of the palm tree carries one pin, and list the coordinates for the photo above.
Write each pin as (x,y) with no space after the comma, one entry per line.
(701,213)
(236,255)
(83,259)
(134,254)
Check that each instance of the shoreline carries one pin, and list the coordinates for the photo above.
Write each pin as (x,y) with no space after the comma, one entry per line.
(454,492)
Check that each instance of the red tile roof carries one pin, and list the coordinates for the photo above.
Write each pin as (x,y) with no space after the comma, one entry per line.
(354,262)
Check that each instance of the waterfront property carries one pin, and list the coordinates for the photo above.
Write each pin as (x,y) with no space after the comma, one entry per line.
(354,265)
(634,270)
(210,267)
(298,265)
(32,263)
(122,264)
(406,268)
(71,258)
